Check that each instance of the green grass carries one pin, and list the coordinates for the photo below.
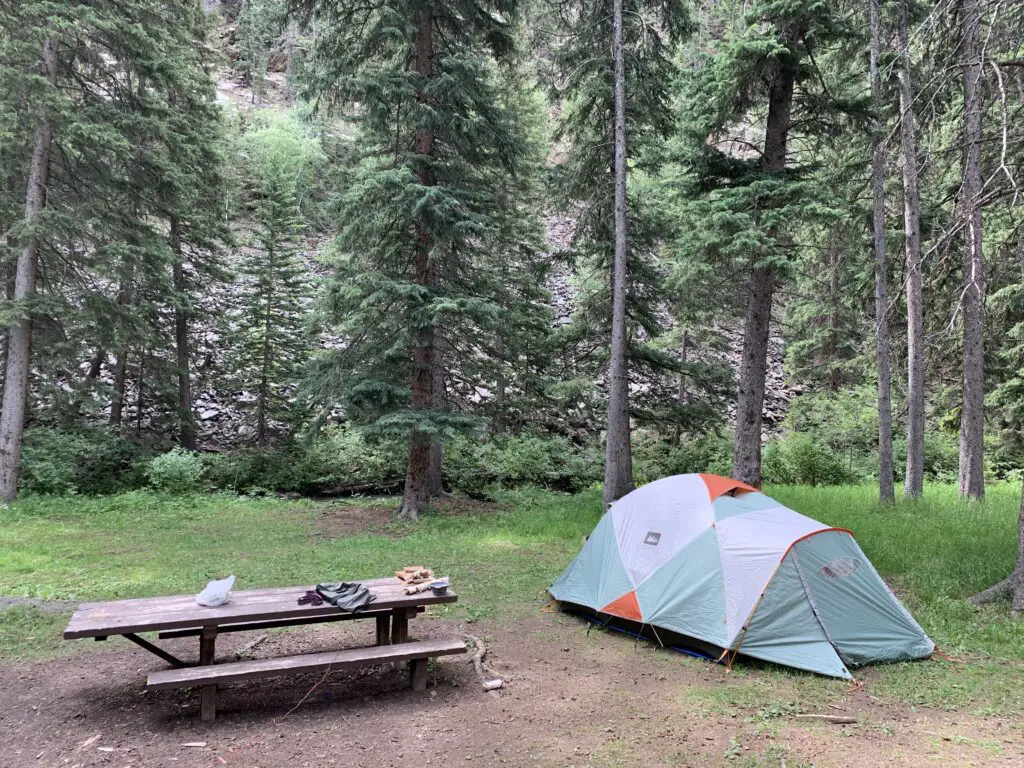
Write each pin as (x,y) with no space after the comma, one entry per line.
(935,552)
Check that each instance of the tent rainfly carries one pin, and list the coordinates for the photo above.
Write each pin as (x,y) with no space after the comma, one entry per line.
(714,559)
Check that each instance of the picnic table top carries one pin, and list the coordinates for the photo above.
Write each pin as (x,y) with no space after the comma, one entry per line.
(151,614)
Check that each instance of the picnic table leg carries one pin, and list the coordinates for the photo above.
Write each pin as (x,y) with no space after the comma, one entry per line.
(399,626)
(418,674)
(207,693)
(383,629)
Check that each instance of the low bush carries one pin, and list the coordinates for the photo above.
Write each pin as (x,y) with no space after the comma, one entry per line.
(95,461)
(798,460)
(176,472)
(503,461)
(341,458)
(654,456)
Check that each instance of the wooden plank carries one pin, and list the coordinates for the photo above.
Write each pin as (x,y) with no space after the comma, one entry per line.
(207,656)
(113,618)
(145,606)
(171,601)
(207,645)
(399,626)
(170,658)
(258,625)
(418,674)
(208,703)
(149,605)
(383,627)
(286,665)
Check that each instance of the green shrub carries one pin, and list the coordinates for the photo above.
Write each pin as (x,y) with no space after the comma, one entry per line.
(798,460)
(176,472)
(93,461)
(654,456)
(339,458)
(503,461)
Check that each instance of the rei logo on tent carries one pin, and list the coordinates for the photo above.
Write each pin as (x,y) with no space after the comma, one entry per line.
(841,566)
(652,538)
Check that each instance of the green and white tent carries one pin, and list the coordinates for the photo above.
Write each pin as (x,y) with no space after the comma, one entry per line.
(714,559)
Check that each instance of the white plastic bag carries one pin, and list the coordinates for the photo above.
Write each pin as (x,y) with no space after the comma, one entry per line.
(216,592)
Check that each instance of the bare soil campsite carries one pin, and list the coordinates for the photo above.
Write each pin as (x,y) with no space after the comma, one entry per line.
(573,695)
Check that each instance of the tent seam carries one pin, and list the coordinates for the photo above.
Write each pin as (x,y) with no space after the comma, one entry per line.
(814,608)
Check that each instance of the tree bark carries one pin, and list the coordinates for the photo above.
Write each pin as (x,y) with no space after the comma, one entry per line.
(746,464)
(140,384)
(96,366)
(440,398)
(187,433)
(120,375)
(681,394)
(1013,585)
(834,317)
(19,335)
(262,403)
(124,299)
(914,483)
(886,490)
(972,415)
(416,497)
(618,459)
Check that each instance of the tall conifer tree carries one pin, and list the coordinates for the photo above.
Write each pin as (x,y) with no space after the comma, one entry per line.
(425,207)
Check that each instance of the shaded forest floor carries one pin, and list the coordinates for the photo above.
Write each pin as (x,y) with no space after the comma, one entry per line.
(573,697)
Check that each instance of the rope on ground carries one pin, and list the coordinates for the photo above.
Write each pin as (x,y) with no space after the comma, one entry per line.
(941,655)
(488,679)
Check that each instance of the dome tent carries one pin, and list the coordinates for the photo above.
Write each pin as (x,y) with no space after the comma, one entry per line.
(714,559)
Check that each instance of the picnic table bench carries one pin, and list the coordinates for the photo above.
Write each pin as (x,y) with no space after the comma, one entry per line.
(181,616)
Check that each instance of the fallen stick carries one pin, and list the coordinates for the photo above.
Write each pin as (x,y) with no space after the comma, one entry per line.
(246,649)
(492,684)
(833,719)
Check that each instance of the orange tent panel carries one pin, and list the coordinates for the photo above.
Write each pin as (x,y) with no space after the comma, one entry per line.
(719,486)
(625,607)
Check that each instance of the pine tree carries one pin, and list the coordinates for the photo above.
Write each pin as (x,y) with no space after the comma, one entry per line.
(746,184)
(19,338)
(972,413)
(279,159)
(616,110)
(133,92)
(914,482)
(423,210)
(883,365)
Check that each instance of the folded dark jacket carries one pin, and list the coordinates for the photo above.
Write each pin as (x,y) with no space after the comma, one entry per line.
(349,596)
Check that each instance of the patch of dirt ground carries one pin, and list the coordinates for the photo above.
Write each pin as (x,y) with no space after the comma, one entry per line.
(337,521)
(573,698)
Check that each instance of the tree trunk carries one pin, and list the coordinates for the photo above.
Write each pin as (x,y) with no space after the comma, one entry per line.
(746,464)
(264,393)
(618,459)
(140,384)
(416,497)
(834,317)
(681,394)
(886,491)
(186,418)
(1013,585)
(124,299)
(972,415)
(96,366)
(120,375)
(914,483)
(440,398)
(19,335)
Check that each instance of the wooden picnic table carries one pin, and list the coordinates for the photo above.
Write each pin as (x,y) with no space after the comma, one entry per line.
(181,616)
